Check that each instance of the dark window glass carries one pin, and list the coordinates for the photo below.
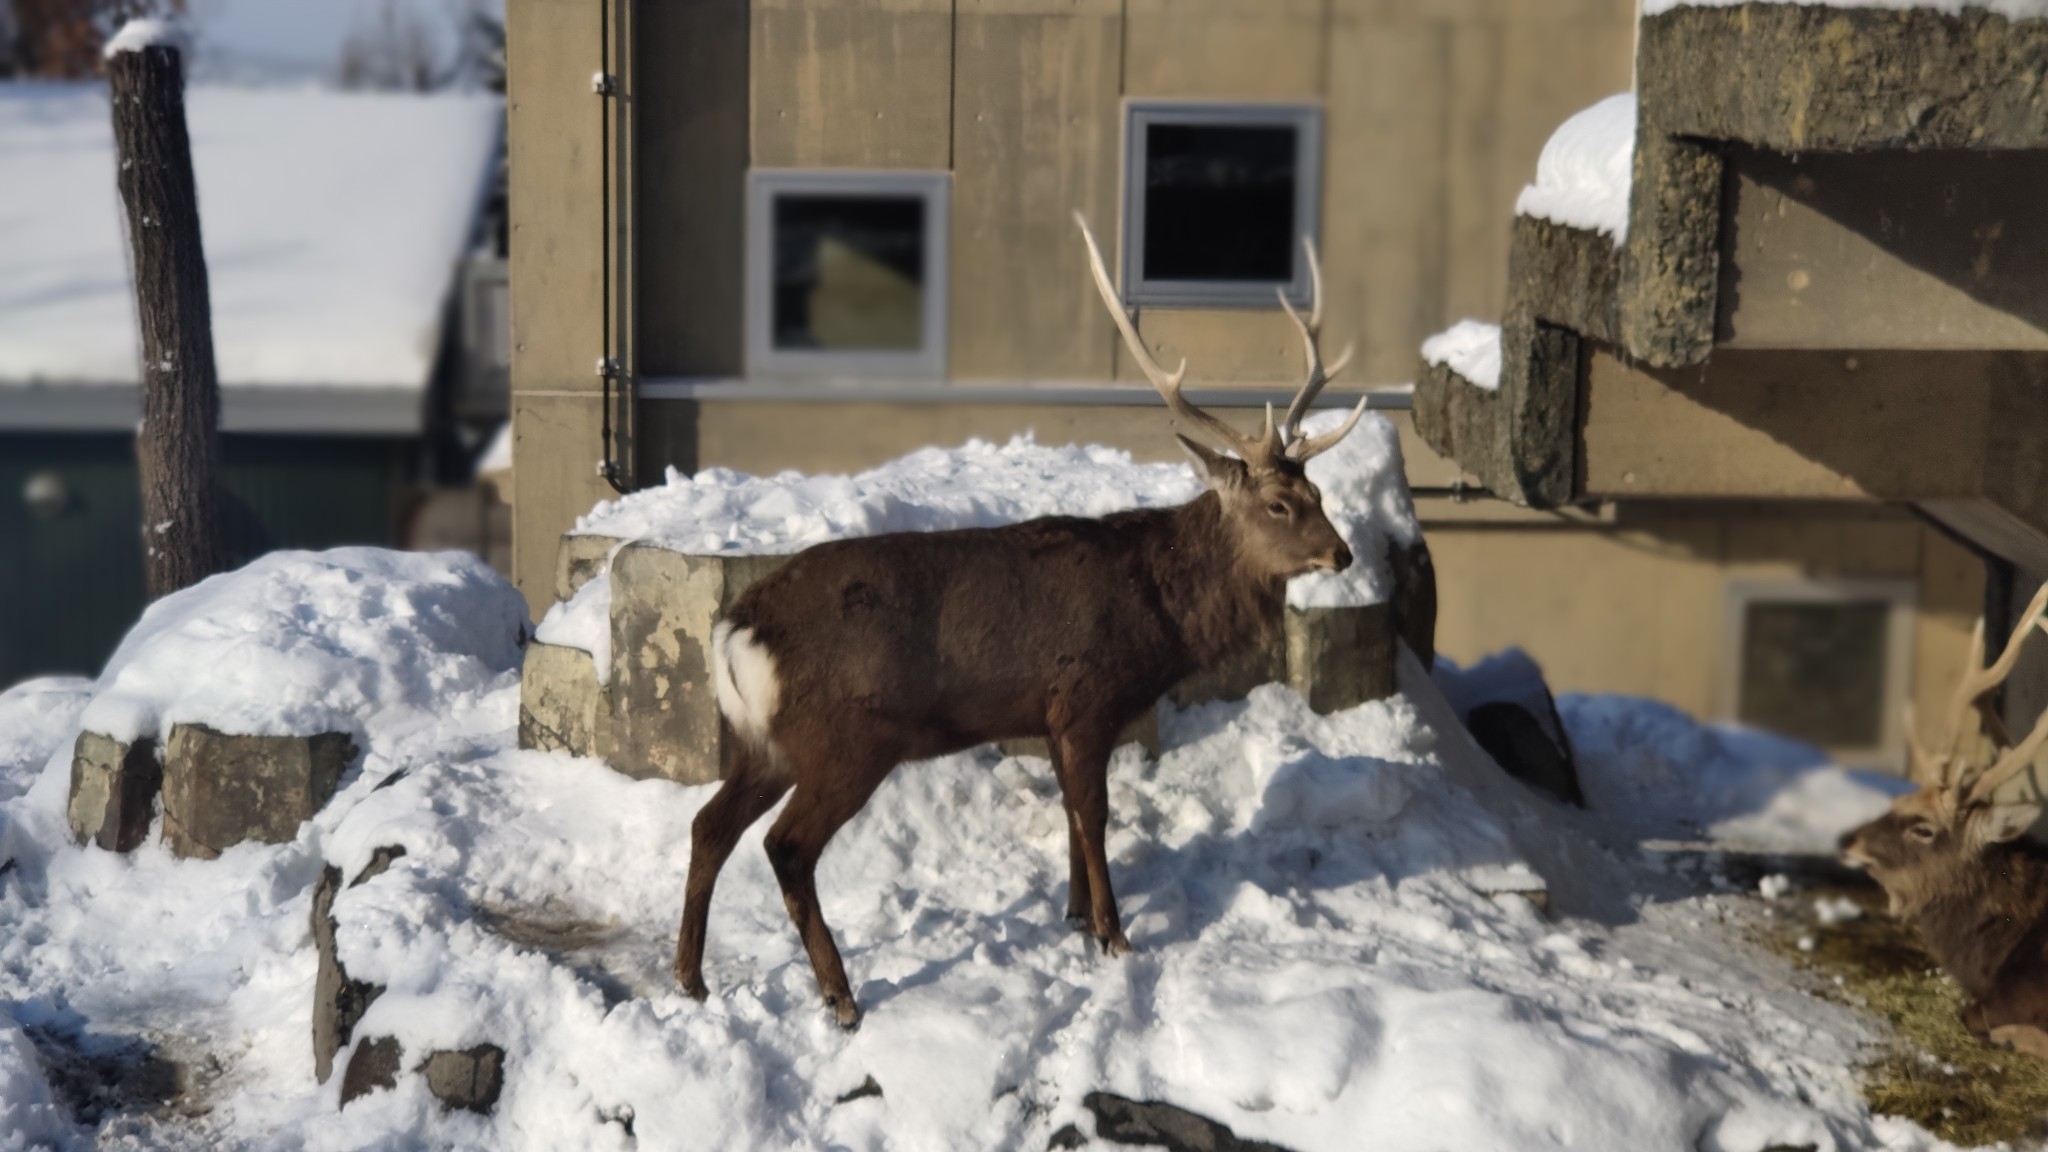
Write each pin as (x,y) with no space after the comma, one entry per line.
(1219,202)
(1816,672)
(849,272)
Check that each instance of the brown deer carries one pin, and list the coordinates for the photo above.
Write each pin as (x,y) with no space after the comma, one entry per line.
(1953,860)
(857,655)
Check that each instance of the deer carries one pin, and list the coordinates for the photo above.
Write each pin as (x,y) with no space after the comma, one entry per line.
(857,655)
(1953,857)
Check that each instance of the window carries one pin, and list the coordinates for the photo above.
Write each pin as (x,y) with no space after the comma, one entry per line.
(846,273)
(1824,662)
(1216,200)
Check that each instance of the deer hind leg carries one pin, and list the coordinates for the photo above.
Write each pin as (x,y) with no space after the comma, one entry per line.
(794,844)
(1080,907)
(1081,761)
(740,801)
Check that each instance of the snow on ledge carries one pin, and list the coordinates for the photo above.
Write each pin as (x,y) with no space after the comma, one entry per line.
(1583,174)
(1471,348)
(146,32)
(2011,9)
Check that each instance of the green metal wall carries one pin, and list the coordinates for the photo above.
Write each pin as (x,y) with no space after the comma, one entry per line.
(71,583)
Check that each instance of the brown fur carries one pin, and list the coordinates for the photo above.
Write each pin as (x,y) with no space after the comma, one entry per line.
(1978,894)
(907,646)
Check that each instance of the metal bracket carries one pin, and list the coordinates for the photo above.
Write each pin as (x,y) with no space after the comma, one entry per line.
(608,368)
(604,84)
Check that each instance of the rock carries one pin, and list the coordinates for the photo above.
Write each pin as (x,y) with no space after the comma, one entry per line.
(562,706)
(338,1001)
(221,789)
(1067,1137)
(1339,658)
(1164,1126)
(867,1088)
(380,862)
(578,559)
(470,1079)
(1414,599)
(1519,743)
(114,788)
(665,720)
(373,1065)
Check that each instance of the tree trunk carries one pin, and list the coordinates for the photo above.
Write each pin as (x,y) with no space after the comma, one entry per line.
(177,450)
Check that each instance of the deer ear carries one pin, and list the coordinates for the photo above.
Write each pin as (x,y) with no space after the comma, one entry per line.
(1220,472)
(2000,823)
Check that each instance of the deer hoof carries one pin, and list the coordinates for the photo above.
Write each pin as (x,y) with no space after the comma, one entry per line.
(693,987)
(1114,944)
(847,1012)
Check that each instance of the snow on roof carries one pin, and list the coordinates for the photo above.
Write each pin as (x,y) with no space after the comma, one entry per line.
(332,224)
(1470,348)
(2012,9)
(1583,175)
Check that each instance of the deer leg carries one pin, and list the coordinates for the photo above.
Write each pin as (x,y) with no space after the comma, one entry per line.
(1084,781)
(794,844)
(1080,908)
(740,801)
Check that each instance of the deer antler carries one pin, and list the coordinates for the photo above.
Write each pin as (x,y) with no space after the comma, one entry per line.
(1951,766)
(1311,329)
(1261,448)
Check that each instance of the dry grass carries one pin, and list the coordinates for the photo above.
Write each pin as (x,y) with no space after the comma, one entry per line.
(1934,1072)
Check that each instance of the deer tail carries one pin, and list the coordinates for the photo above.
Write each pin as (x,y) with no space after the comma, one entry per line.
(744,678)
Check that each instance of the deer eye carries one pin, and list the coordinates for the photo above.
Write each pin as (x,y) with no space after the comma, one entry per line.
(1921,832)
(1279,508)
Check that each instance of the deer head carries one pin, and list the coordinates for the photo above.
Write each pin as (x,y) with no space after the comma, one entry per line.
(1929,841)
(1269,506)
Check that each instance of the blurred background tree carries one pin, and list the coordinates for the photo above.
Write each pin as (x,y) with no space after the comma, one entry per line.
(61,39)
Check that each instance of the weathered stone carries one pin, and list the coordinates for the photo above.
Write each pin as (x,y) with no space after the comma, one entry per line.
(665,720)
(373,1065)
(1339,658)
(221,789)
(469,1079)
(1414,599)
(1519,743)
(1144,732)
(114,788)
(578,559)
(338,1001)
(1671,267)
(1461,421)
(1164,1126)
(562,706)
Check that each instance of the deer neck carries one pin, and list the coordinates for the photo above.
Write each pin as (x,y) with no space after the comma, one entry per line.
(1991,910)
(1220,604)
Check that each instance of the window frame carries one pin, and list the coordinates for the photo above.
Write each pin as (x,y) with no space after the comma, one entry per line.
(763,358)
(1139,116)
(1901,599)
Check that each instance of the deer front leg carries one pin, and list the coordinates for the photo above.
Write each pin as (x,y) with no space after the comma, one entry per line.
(794,843)
(1083,767)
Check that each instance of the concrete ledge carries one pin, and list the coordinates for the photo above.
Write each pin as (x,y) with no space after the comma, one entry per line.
(221,789)
(113,791)
(562,707)
(1671,268)
(578,559)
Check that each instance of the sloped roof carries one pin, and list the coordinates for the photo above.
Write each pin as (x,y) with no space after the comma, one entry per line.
(333,223)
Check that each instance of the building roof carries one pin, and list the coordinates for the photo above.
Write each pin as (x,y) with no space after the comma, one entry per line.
(333,223)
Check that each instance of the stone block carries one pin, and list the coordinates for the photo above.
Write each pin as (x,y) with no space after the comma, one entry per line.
(577,559)
(373,1065)
(114,788)
(1414,599)
(469,1079)
(665,720)
(1152,1122)
(222,789)
(1144,732)
(338,1001)
(561,704)
(1339,658)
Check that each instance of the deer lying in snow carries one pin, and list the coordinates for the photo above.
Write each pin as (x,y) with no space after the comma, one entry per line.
(1954,862)
(860,654)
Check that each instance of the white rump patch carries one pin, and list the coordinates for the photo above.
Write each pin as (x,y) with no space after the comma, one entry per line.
(744,675)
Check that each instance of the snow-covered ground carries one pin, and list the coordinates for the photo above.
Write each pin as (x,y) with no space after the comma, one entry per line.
(1329,956)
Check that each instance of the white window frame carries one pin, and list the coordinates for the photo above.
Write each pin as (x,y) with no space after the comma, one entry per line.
(764,359)
(1139,116)
(1901,598)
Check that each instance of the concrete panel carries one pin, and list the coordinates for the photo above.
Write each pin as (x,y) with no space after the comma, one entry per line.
(1951,599)
(1786,424)
(1226,49)
(690,162)
(1899,250)
(1035,137)
(555,440)
(1223,346)
(552,49)
(852,83)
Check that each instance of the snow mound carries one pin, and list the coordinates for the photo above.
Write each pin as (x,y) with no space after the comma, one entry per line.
(1657,773)
(357,640)
(29,1116)
(1471,348)
(982,485)
(35,715)
(1584,171)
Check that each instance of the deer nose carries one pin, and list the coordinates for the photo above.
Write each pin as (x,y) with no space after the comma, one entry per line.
(1340,559)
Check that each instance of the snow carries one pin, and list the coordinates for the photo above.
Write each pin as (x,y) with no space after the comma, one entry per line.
(332,223)
(1471,348)
(977,485)
(29,1115)
(137,35)
(1325,957)
(1585,169)
(2011,9)
(353,640)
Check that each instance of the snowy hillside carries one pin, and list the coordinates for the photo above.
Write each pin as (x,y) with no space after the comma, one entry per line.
(1330,951)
